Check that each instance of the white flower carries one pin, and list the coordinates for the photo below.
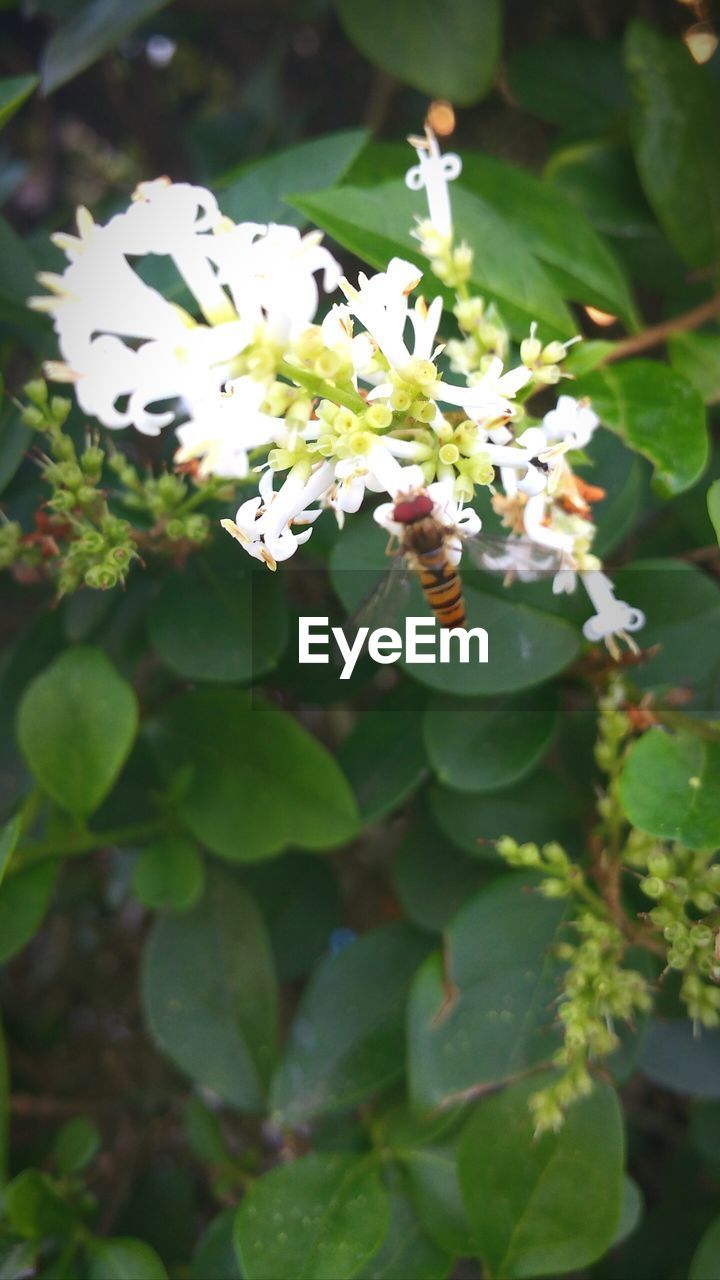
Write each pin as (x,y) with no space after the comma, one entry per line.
(614,618)
(225,426)
(571,421)
(433,172)
(380,303)
(262,525)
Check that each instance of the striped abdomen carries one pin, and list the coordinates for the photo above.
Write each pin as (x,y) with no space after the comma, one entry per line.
(441,583)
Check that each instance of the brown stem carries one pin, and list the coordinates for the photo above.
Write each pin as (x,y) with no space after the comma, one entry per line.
(656,334)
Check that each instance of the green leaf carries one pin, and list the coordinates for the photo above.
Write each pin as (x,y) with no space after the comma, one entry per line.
(76,725)
(4,1112)
(542,809)
(632,1208)
(675,1057)
(446,51)
(298,896)
(258,782)
(547,1206)
(35,1209)
(525,646)
(123,1258)
(383,756)
(88,34)
(657,413)
(483,745)
(14,440)
(348,1036)
(376,225)
(435,1192)
(219,619)
(13,92)
(696,357)
(76,1145)
(257,193)
(24,899)
(406,1250)
(670,788)
(706,1259)
(713,506)
(17,1260)
(482,1011)
(169,873)
(9,836)
(214,1253)
(209,993)
(318,1218)
(576,83)
(431,879)
(682,611)
(676,104)
(580,264)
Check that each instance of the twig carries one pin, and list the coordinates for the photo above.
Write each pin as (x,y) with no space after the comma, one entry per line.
(657,334)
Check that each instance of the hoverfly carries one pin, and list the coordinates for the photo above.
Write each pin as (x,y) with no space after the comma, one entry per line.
(429,547)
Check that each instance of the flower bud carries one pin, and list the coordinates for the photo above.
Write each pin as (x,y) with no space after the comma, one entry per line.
(37,392)
(530,351)
(553,353)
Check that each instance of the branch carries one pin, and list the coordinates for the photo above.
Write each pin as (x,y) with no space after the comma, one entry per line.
(657,334)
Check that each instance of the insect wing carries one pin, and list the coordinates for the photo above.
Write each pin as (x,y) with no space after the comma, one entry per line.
(388,602)
(520,556)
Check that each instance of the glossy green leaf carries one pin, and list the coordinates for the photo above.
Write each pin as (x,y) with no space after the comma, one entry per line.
(656,412)
(383,757)
(713,505)
(675,106)
(482,744)
(572,82)
(298,896)
(88,34)
(431,878)
(624,477)
(674,1056)
(24,899)
(580,264)
(706,1259)
(376,225)
(219,620)
(348,1036)
(696,356)
(435,1192)
(76,1145)
(547,1206)
(214,1253)
(542,809)
(681,604)
(406,1249)
(209,993)
(670,787)
(76,724)
(447,51)
(258,782)
(13,92)
(318,1218)
(123,1258)
(257,193)
(169,874)
(482,1011)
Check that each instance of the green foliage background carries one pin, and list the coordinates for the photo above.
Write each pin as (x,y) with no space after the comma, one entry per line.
(257,946)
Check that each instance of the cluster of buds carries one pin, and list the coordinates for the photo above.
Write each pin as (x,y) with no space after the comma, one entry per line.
(685,885)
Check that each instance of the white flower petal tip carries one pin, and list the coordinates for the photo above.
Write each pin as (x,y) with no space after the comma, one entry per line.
(230,527)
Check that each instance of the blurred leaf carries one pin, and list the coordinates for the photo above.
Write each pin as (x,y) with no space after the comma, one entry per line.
(447,51)
(17,1260)
(34,1208)
(209,993)
(298,896)
(24,899)
(576,83)
(169,874)
(682,610)
(316,1218)
(17,284)
(435,1192)
(483,745)
(696,356)
(482,1011)
(13,92)
(76,725)
(541,809)
(632,1208)
(76,1145)
(677,1058)
(656,412)
(547,1206)
(348,1036)
(676,104)
(219,620)
(214,1253)
(257,193)
(123,1259)
(376,225)
(259,782)
(706,1259)
(87,35)
(4,1115)
(670,788)
(432,880)
(624,477)
(406,1250)
(14,440)
(581,266)
(9,836)
(383,756)
(713,505)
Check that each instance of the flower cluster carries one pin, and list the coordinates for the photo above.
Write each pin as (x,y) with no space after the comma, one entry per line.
(326,412)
